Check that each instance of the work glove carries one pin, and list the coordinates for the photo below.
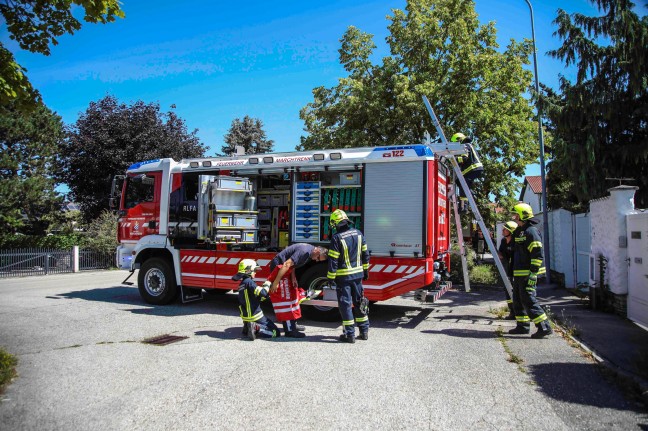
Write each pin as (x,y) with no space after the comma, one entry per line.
(365,275)
(266,284)
(532,281)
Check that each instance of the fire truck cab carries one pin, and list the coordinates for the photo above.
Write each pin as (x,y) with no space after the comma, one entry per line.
(185,225)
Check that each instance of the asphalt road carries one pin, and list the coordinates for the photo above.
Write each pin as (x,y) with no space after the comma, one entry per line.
(82,365)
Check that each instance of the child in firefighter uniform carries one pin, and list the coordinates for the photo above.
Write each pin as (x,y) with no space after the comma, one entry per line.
(286,298)
(348,265)
(255,324)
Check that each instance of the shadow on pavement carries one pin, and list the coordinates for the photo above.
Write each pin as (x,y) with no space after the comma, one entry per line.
(579,384)
(463,333)
(234,333)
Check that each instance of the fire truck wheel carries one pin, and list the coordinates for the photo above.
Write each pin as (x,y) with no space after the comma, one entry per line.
(314,278)
(156,282)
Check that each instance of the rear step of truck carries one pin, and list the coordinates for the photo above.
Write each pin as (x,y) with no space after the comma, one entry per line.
(433,295)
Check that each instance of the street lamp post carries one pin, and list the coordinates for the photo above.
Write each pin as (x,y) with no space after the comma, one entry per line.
(545,217)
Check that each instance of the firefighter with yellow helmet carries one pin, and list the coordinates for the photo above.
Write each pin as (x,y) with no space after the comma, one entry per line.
(469,163)
(348,265)
(255,323)
(505,253)
(527,267)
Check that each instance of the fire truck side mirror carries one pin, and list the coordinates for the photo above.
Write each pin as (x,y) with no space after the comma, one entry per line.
(112,203)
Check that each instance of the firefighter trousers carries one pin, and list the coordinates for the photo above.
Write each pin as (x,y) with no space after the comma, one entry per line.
(350,293)
(525,304)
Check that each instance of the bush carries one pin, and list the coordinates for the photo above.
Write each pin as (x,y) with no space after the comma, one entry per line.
(7,368)
(484,274)
(456,274)
(102,233)
(60,242)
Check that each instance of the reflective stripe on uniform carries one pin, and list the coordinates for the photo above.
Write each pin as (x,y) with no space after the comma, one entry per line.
(334,254)
(349,271)
(521,272)
(534,244)
(330,275)
(348,322)
(522,318)
(471,168)
(536,262)
(540,318)
(362,319)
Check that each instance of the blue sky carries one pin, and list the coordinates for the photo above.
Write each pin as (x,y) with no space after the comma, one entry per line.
(217,61)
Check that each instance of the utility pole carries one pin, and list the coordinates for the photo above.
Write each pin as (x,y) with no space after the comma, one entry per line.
(545,215)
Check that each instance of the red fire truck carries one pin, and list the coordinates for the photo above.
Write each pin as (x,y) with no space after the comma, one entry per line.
(186,225)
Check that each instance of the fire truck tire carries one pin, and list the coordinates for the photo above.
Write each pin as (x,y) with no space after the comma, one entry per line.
(315,277)
(156,282)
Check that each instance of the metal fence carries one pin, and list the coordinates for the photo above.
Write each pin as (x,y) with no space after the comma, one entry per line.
(40,261)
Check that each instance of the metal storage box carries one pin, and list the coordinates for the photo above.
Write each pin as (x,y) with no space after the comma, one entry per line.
(264,200)
(276,200)
(221,220)
(228,235)
(249,236)
(228,199)
(233,183)
(245,221)
(265,214)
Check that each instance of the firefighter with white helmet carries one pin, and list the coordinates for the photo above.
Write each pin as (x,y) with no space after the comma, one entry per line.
(255,324)
(348,266)
(527,267)
(469,163)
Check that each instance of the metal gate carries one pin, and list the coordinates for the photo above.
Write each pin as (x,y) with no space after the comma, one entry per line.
(583,247)
(34,261)
(638,268)
(38,261)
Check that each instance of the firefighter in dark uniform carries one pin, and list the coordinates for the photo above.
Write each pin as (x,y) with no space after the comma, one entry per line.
(527,267)
(470,165)
(348,266)
(505,253)
(255,323)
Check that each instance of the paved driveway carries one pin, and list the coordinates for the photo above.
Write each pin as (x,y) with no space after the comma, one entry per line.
(82,365)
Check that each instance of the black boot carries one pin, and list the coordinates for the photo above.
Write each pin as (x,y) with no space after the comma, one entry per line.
(363,336)
(544,329)
(347,338)
(290,330)
(520,330)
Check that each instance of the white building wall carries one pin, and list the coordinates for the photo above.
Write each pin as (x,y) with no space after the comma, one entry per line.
(608,222)
(532,199)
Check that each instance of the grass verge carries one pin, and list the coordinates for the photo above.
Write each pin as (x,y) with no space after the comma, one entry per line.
(8,364)
(512,357)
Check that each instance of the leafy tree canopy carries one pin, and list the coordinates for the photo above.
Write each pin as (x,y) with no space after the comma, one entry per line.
(474,89)
(249,134)
(110,136)
(28,150)
(35,25)
(599,121)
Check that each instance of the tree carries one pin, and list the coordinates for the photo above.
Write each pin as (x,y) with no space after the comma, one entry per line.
(249,134)
(110,136)
(28,149)
(35,24)
(474,88)
(600,120)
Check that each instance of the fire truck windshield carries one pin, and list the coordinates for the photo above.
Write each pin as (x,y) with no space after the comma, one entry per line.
(139,189)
